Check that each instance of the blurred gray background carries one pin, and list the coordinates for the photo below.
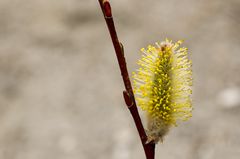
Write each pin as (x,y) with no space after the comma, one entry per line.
(61,89)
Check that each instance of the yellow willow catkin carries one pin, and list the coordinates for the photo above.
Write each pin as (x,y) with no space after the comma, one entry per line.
(162,86)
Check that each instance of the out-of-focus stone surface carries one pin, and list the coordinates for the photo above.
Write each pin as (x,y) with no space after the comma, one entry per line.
(61,90)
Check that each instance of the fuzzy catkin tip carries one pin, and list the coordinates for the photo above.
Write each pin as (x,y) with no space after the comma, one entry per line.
(162,86)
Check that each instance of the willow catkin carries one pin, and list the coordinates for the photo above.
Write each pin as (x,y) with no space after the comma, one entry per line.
(162,86)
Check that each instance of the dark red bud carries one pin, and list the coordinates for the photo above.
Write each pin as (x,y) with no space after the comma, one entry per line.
(107,9)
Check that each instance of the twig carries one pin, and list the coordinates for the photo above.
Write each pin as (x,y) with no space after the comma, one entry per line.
(149,148)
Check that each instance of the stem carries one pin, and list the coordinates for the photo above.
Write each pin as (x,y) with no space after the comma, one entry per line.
(149,148)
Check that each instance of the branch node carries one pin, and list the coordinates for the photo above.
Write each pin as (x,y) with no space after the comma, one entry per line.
(128,99)
(122,48)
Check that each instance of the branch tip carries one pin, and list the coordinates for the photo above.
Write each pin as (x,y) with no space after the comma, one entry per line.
(106,8)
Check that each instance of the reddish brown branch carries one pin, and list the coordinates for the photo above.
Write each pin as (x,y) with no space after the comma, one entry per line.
(149,148)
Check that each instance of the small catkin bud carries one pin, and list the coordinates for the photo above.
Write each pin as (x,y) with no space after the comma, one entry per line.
(162,86)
